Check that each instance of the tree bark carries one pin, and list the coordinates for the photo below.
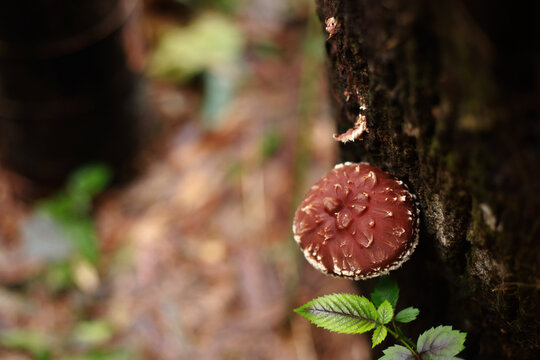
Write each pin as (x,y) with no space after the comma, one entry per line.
(70,90)
(450,91)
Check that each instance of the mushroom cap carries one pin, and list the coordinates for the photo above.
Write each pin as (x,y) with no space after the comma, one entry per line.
(357,222)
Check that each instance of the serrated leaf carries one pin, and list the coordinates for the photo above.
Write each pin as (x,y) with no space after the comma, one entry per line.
(386,289)
(440,343)
(407,315)
(397,352)
(342,313)
(378,336)
(385,311)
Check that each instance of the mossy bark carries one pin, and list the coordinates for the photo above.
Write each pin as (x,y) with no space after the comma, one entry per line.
(451,96)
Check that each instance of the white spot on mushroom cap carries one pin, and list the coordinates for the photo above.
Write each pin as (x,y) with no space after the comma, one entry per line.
(398,231)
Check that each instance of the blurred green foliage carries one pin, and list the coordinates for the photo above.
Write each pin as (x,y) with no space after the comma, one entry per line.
(272,141)
(266,49)
(32,342)
(58,276)
(86,334)
(211,45)
(94,332)
(222,5)
(211,40)
(71,208)
(102,355)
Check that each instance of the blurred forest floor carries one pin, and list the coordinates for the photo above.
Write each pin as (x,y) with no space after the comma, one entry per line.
(194,258)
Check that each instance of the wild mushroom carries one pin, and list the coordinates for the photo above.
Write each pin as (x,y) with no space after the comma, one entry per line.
(357,222)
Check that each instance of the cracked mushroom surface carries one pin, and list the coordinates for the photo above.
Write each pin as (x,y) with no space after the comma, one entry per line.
(357,222)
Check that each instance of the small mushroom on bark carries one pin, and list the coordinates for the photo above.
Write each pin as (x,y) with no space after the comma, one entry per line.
(331,26)
(357,222)
(354,133)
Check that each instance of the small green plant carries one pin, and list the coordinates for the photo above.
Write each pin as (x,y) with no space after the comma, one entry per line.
(71,208)
(354,314)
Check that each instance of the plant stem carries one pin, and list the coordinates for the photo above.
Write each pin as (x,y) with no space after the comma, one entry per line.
(405,341)
(398,330)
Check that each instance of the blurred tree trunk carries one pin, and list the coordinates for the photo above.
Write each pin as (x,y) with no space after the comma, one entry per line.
(452,104)
(70,92)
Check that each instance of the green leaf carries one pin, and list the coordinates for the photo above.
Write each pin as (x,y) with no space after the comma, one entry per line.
(397,352)
(272,140)
(89,180)
(99,354)
(440,343)
(407,315)
(83,236)
(385,311)
(342,313)
(36,343)
(92,332)
(386,289)
(378,336)
(71,208)
(211,40)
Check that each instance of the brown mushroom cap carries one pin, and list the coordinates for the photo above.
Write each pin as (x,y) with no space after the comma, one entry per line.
(357,222)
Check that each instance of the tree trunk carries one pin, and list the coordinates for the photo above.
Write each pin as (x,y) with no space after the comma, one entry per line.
(70,89)
(450,91)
